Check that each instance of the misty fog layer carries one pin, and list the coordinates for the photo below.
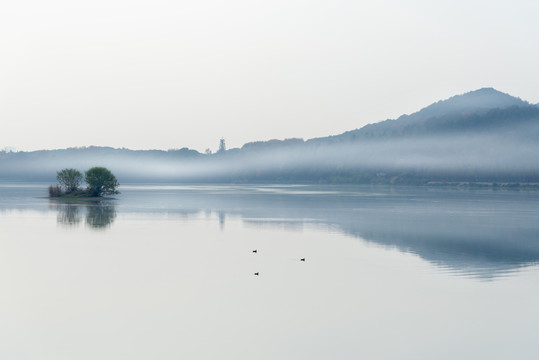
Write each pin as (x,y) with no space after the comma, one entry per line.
(464,138)
(492,156)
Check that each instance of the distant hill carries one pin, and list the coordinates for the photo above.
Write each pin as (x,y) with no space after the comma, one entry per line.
(481,110)
(481,136)
(473,101)
(136,165)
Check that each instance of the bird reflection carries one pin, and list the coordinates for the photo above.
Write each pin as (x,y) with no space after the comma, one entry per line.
(97,215)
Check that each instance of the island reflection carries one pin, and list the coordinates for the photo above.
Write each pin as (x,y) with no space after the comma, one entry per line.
(96,215)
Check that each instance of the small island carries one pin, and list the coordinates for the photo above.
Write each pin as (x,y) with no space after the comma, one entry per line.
(100,182)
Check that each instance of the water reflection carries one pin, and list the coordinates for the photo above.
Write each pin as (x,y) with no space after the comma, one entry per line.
(97,215)
(222,219)
(100,215)
(67,214)
(480,233)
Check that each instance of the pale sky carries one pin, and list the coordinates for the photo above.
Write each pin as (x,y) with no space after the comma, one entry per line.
(171,74)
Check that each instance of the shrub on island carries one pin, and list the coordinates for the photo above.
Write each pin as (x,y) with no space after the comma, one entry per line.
(55,191)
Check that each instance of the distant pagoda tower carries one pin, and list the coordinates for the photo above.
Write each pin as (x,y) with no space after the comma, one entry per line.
(222,145)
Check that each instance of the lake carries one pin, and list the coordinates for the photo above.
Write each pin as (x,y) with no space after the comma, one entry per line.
(168,272)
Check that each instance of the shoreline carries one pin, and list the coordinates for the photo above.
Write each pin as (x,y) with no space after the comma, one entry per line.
(77,198)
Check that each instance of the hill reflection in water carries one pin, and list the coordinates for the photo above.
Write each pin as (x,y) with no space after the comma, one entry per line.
(477,233)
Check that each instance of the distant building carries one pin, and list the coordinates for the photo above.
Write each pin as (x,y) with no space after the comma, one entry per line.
(222,145)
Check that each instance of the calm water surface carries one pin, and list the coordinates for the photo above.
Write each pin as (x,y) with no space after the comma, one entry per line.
(167,272)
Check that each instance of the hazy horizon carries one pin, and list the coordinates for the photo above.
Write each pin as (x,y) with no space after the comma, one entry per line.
(478,98)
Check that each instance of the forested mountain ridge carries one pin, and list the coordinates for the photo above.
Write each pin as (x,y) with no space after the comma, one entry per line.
(476,111)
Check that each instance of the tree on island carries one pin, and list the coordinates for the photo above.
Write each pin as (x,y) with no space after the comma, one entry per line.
(69,179)
(101,181)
